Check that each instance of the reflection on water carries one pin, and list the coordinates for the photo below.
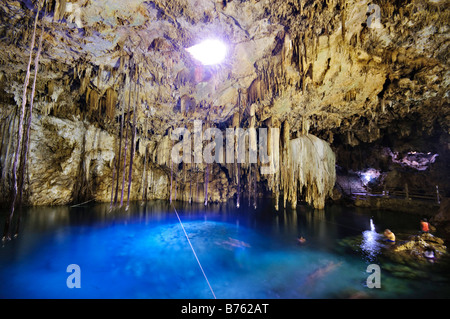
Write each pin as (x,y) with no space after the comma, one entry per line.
(370,243)
(245,253)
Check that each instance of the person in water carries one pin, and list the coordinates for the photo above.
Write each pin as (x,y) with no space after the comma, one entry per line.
(424,226)
(390,236)
(301,240)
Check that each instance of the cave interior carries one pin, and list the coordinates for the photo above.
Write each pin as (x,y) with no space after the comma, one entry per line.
(94,95)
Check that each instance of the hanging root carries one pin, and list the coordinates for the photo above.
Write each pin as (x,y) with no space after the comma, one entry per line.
(126,147)
(6,233)
(133,137)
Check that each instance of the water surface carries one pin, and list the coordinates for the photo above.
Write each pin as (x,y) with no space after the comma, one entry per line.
(245,253)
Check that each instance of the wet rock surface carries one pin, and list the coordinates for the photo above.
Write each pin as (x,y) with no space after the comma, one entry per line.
(408,257)
(416,248)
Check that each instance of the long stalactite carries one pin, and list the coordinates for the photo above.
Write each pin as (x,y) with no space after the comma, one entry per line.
(118,160)
(133,136)
(126,143)
(144,171)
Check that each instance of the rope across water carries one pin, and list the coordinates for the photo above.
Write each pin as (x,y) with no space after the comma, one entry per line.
(190,244)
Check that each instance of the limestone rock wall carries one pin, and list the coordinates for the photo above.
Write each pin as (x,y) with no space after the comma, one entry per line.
(72,161)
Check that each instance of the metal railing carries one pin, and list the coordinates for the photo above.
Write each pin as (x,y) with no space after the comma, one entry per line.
(405,193)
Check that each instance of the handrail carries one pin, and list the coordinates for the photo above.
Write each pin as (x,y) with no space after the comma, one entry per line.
(396,192)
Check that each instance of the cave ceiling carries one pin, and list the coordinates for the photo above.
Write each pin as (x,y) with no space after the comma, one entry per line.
(324,66)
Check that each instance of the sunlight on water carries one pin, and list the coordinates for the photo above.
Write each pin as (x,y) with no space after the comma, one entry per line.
(370,243)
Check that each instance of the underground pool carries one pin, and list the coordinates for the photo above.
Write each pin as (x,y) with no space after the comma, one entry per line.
(218,251)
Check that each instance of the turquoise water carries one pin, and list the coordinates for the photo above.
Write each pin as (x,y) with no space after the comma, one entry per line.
(245,253)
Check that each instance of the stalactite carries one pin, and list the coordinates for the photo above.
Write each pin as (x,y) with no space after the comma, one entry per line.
(311,166)
(184,181)
(252,150)
(111,100)
(11,130)
(144,174)
(60,9)
(285,159)
(171,169)
(126,145)
(249,184)
(112,182)
(190,184)
(270,141)
(206,183)
(150,183)
(176,190)
(255,171)
(236,124)
(343,20)
(121,127)
(4,126)
(276,161)
(92,99)
(238,177)
(99,75)
(273,154)
(196,182)
(6,234)
(85,79)
(133,137)
(305,126)
(206,175)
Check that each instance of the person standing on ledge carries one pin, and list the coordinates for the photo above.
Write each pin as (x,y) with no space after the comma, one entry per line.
(424,226)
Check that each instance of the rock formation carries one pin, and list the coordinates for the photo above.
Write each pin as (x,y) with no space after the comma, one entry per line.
(442,218)
(416,248)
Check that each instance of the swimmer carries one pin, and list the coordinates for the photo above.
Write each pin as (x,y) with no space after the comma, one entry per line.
(301,240)
(390,237)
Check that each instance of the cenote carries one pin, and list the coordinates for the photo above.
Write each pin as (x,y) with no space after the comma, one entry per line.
(230,130)
(245,253)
